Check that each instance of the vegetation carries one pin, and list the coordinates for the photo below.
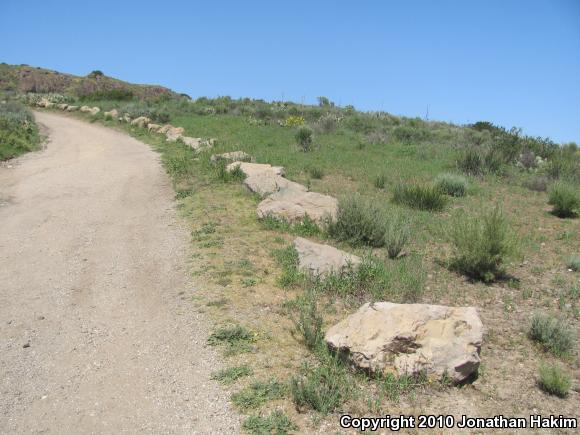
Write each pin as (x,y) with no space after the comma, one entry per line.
(276,423)
(232,374)
(236,339)
(18,131)
(304,138)
(565,199)
(420,197)
(483,244)
(258,393)
(552,334)
(553,380)
(452,184)
(574,263)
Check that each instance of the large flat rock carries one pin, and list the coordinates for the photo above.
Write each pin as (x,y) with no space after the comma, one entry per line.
(293,205)
(251,169)
(407,339)
(323,260)
(267,182)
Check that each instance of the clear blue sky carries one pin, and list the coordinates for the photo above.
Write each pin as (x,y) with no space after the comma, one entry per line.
(510,62)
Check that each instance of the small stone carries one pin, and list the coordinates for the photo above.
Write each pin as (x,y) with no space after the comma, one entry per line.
(25,345)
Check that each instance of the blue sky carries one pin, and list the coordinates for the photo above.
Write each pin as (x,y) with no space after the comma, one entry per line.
(515,63)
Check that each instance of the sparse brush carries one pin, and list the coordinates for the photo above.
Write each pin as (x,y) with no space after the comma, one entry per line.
(277,423)
(232,374)
(552,334)
(258,393)
(573,263)
(553,380)
(420,197)
(452,184)
(396,235)
(358,222)
(483,244)
(565,200)
(237,339)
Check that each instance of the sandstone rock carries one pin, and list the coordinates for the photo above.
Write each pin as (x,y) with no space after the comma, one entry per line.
(62,106)
(174,133)
(49,105)
(72,108)
(266,183)
(255,168)
(165,128)
(141,121)
(126,118)
(293,205)
(323,260)
(112,114)
(408,339)
(234,156)
(94,110)
(154,128)
(85,109)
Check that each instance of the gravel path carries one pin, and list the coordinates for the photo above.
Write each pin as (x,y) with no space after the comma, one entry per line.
(97,331)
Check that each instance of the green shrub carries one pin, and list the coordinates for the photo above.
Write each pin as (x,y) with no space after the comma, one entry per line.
(396,235)
(477,162)
(277,423)
(18,131)
(380,181)
(420,197)
(258,393)
(309,321)
(221,172)
(565,200)
(573,263)
(358,222)
(322,388)
(537,183)
(483,244)
(553,380)
(316,173)
(236,338)
(232,374)
(452,184)
(304,138)
(552,334)
(288,259)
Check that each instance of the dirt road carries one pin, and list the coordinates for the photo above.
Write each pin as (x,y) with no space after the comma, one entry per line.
(97,331)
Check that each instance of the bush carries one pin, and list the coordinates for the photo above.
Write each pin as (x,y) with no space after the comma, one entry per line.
(294,121)
(358,222)
(111,94)
(380,181)
(328,123)
(396,235)
(574,263)
(478,162)
(452,184)
(277,423)
(304,138)
(420,197)
(552,334)
(565,200)
(316,173)
(18,131)
(232,374)
(309,321)
(553,380)
(537,184)
(482,245)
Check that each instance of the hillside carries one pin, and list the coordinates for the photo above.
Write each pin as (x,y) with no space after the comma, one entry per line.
(24,78)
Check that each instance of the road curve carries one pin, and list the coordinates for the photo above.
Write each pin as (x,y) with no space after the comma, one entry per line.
(97,331)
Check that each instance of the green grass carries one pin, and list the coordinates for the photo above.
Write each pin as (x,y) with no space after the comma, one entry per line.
(565,199)
(420,197)
(236,339)
(452,184)
(18,131)
(287,258)
(553,380)
(552,334)
(258,393)
(573,263)
(276,423)
(230,375)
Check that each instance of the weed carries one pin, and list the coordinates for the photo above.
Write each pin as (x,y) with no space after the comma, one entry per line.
(228,176)
(358,222)
(237,339)
(288,259)
(277,423)
(452,184)
(316,173)
(380,181)
(230,375)
(565,200)
(573,263)
(249,282)
(483,244)
(394,386)
(258,393)
(396,235)
(553,380)
(304,138)
(420,197)
(309,321)
(552,334)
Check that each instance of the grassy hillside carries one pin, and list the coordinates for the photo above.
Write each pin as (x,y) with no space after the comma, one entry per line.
(476,209)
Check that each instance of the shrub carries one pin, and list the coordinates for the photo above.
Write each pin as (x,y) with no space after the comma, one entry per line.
(221,173)
(482,245)
(527,160)
(537,184)
(452,184)
(322,388)
(111,94)
(552,334)
(18,131)
(478,162)
(316,173)
(358,222)
(420,197)
(258,393)
(232,374)
(294,121)
(574,263)
(396,235)
(304,138)
(309,321)
(408,134)
(287,258)
(380,181)
(236,338)
(327,123)
(277,423)
(553,380)
(565,200)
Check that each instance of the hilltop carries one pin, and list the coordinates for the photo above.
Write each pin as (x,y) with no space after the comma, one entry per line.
(25,78)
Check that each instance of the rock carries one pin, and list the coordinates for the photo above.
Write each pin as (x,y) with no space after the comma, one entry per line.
(25,345)
(141,121)
(164,129)
(255,168)
(293,205)
(94,110)
(126,118)
(85,109)
(112,114)
(323,260)
(49,105)
(72,108)
(408,339)
(62,106)
(234,156)
(266,183)
(154,128)
(174,133)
